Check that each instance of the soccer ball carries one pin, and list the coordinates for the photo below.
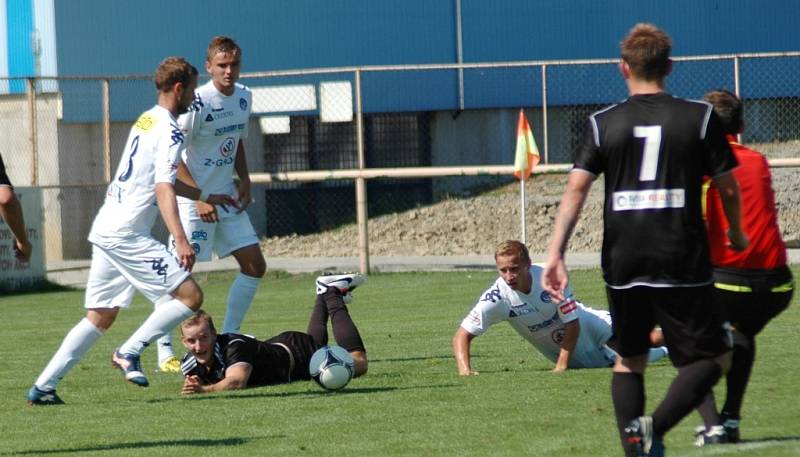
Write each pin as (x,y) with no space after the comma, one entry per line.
(331,367)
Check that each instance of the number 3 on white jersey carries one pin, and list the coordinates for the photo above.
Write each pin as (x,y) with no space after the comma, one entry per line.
(652,146)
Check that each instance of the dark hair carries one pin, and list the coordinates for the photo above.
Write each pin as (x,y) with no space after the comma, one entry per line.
(646,50)
(223,44)
(728,108)
(513,247)
(173,70)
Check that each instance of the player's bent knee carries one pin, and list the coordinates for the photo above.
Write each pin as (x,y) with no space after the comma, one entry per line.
(190,294)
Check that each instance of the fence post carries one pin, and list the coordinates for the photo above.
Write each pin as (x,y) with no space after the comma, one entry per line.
(546,144)
(33,133)
(361,185)
(106,129)
(737,87)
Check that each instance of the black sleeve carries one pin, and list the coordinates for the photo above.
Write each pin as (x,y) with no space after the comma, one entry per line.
(588,156)
(4,181)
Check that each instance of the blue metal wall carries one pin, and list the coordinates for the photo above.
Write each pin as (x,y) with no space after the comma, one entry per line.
(101,37)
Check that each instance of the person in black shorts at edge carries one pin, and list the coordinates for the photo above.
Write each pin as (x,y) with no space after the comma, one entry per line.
(654,149)
(232,361)
(754,285)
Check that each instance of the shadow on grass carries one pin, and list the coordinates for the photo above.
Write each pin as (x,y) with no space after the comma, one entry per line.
(198,443)
(250,394)
(410,359)
(33,287)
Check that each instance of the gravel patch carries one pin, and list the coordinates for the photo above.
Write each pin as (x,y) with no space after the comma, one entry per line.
(474,224)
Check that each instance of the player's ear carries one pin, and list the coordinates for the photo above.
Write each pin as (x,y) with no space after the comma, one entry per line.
(624,69)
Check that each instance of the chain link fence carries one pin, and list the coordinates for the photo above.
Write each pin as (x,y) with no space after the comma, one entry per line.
(65,135)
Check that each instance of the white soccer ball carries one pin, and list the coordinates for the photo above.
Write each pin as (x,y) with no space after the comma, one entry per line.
(331,367)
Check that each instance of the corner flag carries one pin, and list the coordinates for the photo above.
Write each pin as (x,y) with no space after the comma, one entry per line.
(527,154)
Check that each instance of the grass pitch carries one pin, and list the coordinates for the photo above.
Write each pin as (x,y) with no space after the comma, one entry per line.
(411,403)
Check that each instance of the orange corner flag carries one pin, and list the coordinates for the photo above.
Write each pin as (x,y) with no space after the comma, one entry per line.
(527,155)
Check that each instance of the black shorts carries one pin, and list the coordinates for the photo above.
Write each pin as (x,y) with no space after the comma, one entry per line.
(694,326)
(753,297)
(4,181)
(302,346)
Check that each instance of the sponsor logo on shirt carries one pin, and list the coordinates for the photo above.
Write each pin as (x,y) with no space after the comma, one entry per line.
(197,103)
(209,118)
(145,122)
(243,104)
(545,297)
(177,135)
(200,235)
(630,200)
(543,325)
(228,129)
(521,310)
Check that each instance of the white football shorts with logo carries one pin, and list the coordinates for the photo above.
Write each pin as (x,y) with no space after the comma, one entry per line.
(232,232)
(141,263)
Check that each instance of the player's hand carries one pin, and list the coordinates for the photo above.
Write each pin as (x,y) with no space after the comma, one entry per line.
(738,240)
(185,254)
(554,279)
(192,385)
(22,250)
(245,197)
(223,201)
(206,211)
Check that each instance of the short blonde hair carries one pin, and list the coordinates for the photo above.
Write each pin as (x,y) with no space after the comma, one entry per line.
(198,318)
(513,247)
(173,70)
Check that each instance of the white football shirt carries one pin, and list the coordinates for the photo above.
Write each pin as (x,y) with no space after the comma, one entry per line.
(213,127)
(151,156)
(541,321)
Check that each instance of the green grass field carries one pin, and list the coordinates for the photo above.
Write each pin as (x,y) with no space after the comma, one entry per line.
(411,403)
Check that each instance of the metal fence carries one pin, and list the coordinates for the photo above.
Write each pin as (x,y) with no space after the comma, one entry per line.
(328,147)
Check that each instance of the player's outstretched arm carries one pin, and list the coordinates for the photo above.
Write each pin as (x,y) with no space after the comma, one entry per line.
(461,347)
(236,377)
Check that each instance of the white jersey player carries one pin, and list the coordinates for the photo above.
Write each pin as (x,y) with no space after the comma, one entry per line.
(214,128)
(125,256)
(567,332)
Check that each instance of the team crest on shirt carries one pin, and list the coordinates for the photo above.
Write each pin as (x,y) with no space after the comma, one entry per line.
(227,147)
(558,336)
(243,104)
(545,297)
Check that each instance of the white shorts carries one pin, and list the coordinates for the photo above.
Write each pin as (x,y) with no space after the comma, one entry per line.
(229,234)
(141,263)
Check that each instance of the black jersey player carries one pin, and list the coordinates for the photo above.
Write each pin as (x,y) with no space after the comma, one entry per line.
(231,361)
(654,149)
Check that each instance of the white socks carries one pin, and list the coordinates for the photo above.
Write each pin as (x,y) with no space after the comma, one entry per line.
(240,296)
(165,317)
(72,349)
(164,343)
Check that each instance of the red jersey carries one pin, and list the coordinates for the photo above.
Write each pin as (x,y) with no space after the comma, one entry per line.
(767,250)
